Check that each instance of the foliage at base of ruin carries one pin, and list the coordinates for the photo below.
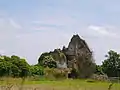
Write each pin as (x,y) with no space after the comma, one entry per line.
(54,73)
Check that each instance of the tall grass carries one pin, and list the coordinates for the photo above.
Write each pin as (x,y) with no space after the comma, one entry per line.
(44,84)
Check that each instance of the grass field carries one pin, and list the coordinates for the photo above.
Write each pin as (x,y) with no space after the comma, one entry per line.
(56,85)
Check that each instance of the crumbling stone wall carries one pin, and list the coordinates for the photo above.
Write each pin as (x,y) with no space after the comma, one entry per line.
(79,56)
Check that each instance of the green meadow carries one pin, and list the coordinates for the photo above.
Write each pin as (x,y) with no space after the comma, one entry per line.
(18,84)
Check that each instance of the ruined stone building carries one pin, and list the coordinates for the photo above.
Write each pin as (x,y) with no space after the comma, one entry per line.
(78,55)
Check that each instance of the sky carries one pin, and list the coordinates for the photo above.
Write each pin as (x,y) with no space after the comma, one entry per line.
(31,27)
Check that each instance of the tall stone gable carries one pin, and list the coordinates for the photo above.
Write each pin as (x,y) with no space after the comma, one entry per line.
(77,53)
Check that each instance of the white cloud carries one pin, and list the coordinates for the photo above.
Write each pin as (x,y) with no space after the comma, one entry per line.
(55,21)
(8,32)
(9,26)
(102,31)
(49,33)
(14,24)
(30,45)
(46,27)
(33,44)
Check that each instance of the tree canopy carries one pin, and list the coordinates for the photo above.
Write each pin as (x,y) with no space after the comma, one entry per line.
(15,66)
(111,66)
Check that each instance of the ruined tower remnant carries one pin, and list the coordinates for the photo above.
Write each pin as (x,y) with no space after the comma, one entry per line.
(79,56)
(76,58)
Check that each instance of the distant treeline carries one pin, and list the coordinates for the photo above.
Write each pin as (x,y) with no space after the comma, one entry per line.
(15,66)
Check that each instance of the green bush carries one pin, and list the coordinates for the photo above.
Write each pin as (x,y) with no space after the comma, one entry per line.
(36,78)
(53,73)
(36,70)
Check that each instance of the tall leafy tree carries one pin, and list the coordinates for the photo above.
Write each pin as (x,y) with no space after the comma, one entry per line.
(5,68)
(24,68)
(111,66)
(14,66)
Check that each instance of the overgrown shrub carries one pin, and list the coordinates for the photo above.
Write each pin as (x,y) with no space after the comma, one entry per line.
(36,78)
(53,73)
(36,70)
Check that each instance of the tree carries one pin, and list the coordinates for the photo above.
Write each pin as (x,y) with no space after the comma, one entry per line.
(111,66)
(6,58)
(99,70)
(15,71)
(41,58)
(14,66)
(5,68)
(36,70)
(24,68)
(47,60)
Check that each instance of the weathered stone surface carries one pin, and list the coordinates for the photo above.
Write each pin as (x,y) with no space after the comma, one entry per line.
(60,58)
(57,56)
(78,55)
